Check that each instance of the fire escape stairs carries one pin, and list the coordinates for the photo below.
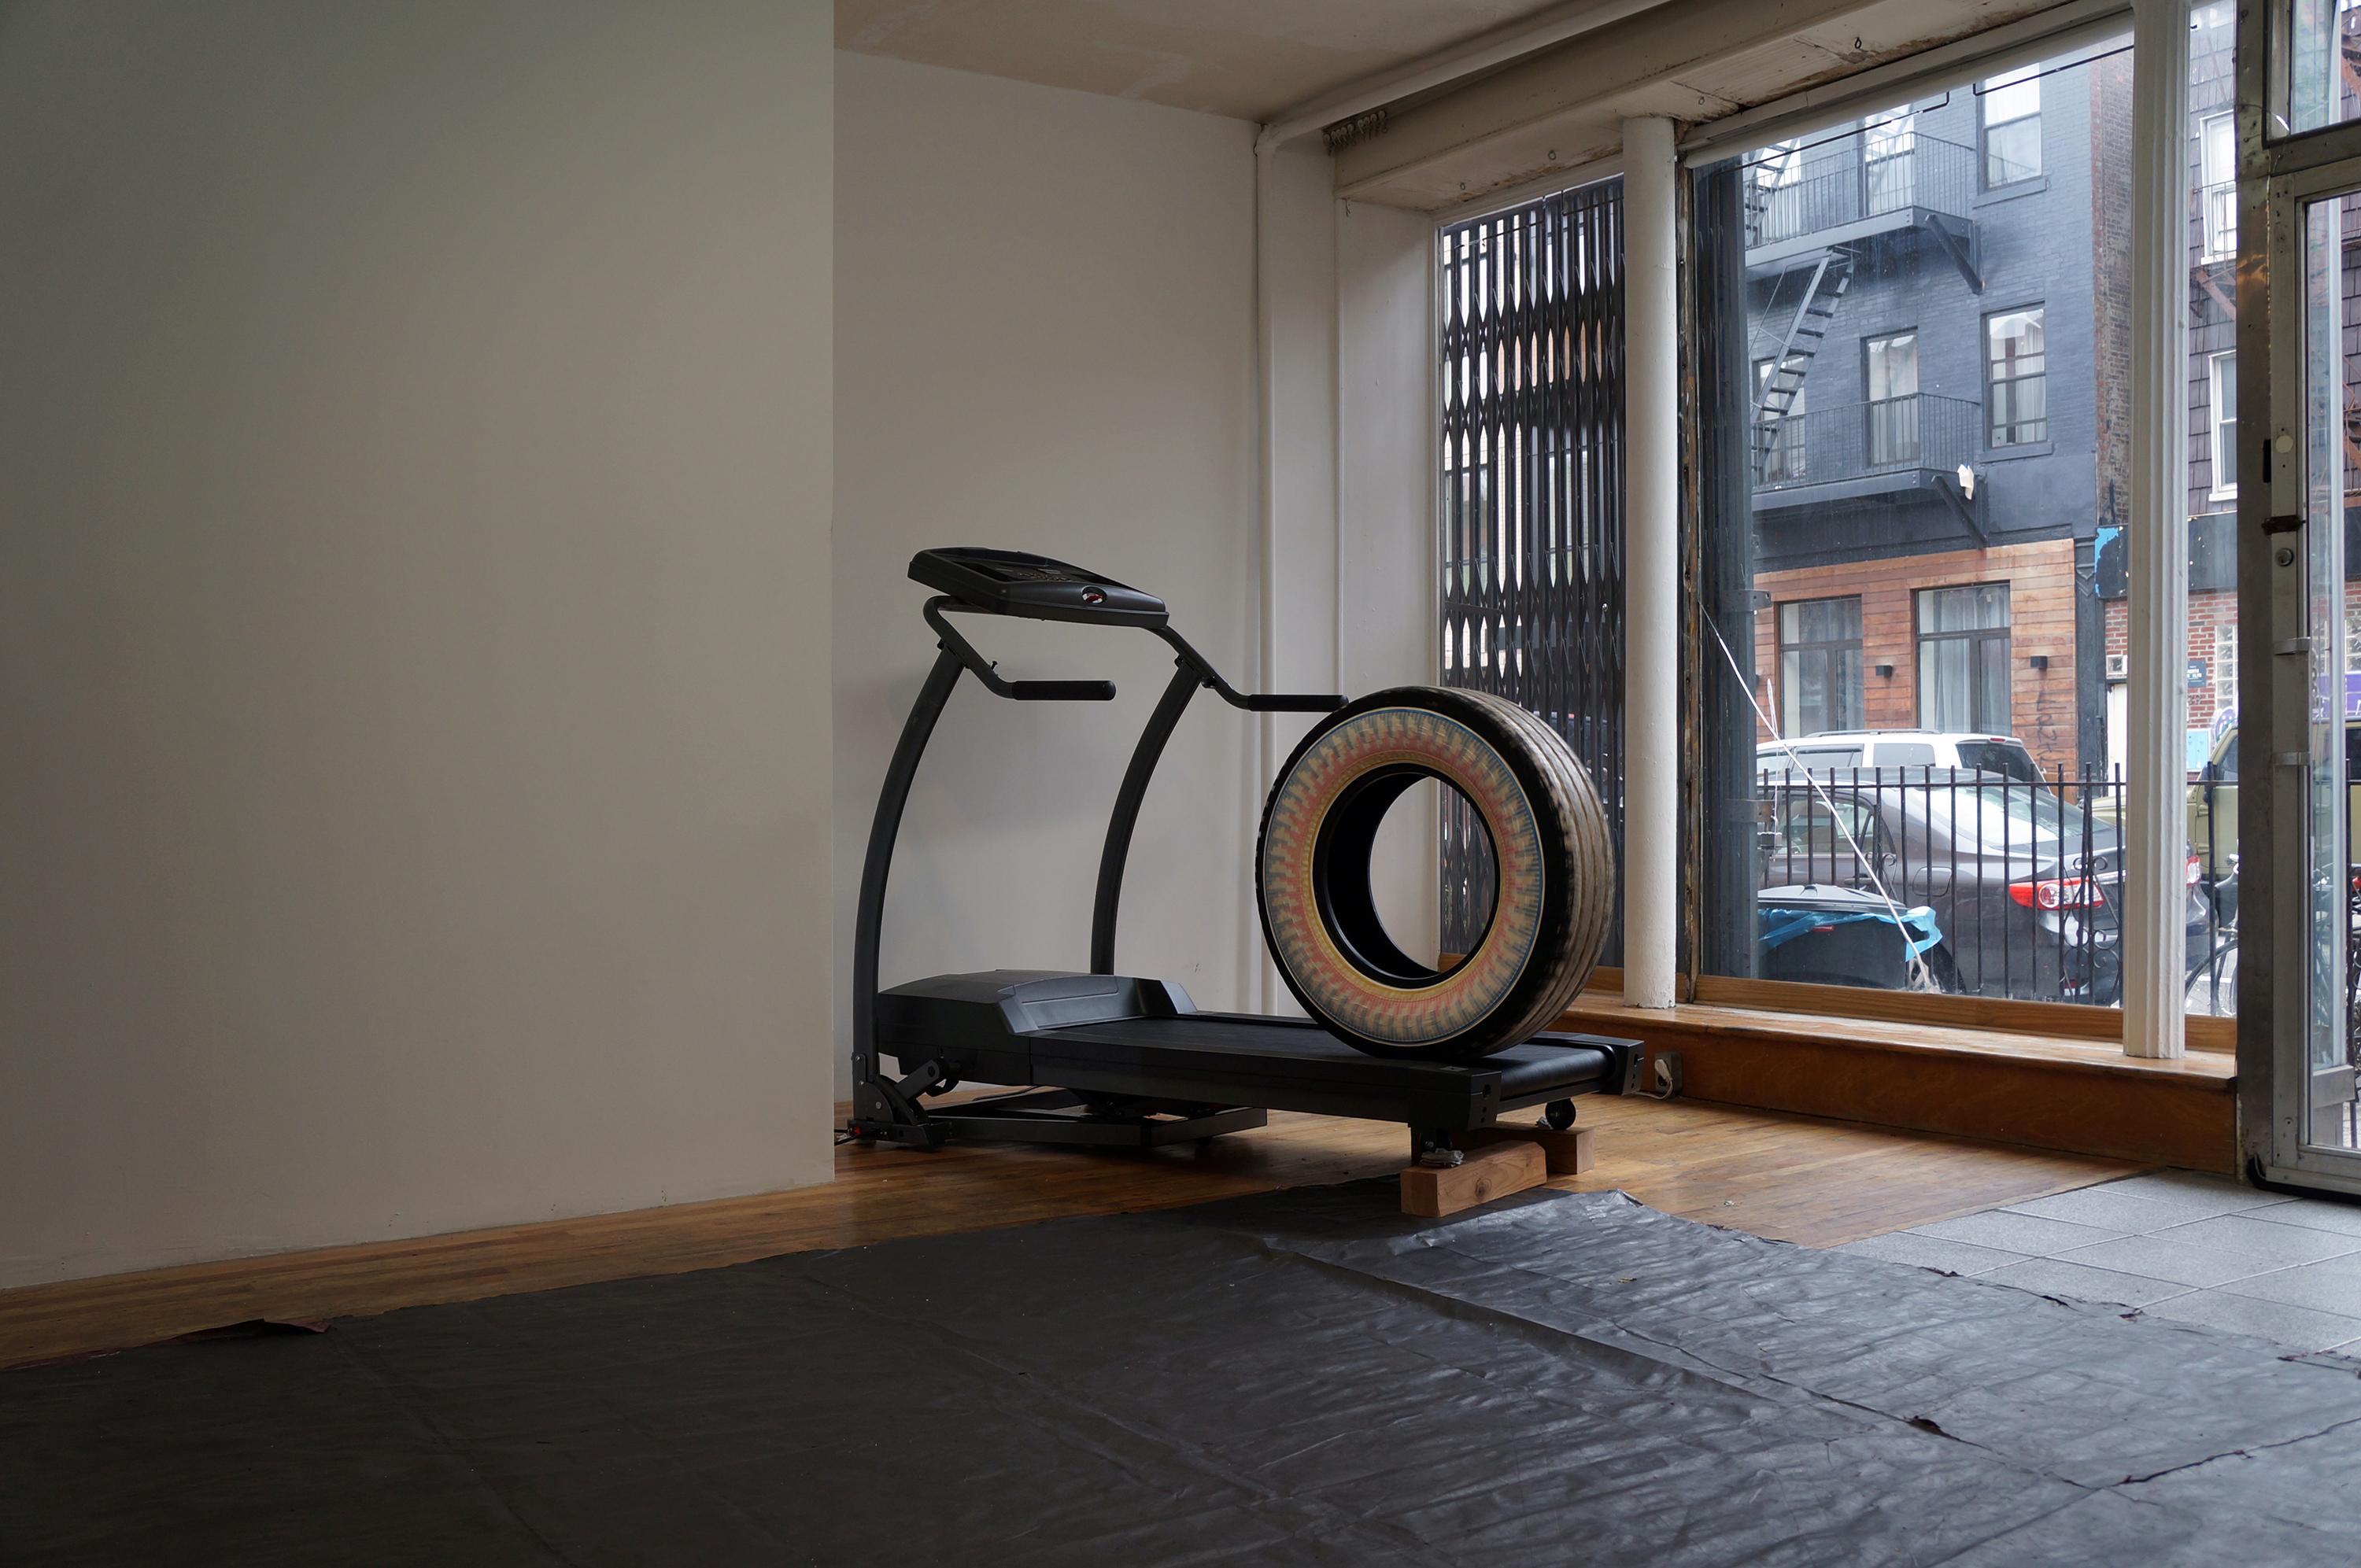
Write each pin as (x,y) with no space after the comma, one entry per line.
(1806,330)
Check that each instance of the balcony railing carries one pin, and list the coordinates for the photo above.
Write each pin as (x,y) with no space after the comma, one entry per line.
(1805,192)
(1853,441)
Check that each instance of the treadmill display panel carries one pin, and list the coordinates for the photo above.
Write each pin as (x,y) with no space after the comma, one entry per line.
(1010,581)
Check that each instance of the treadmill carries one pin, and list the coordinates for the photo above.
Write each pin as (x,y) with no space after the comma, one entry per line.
(1110,1060)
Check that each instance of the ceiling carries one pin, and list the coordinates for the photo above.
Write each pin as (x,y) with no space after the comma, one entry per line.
(1696,62)
(1251,59)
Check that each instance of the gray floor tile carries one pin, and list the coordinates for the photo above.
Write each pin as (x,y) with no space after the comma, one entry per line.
(2107,1208)
(2191,1196)
(2298,1328)
(2343,1219)
(2161,1257)
(2332,1285)
(2262,1243)
(2049,1277)
(1930,1252)
(2027,1233)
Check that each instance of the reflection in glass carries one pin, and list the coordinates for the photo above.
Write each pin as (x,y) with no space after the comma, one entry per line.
(2329,879)
(2319,92)
(2011,126)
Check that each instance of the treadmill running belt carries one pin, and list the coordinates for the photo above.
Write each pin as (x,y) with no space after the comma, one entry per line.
(1306,1050)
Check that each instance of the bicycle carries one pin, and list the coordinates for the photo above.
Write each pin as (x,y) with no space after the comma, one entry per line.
(2213,980)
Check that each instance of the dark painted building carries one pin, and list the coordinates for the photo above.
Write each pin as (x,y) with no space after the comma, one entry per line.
(1937,327)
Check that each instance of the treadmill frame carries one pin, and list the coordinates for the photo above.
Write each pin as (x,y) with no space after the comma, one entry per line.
(887,1108)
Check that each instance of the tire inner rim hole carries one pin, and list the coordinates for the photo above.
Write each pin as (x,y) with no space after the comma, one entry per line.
(1348,846)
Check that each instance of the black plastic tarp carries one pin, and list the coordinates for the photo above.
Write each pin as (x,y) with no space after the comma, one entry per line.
(1303,1377)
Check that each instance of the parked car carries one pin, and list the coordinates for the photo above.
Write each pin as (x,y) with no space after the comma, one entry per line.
(1837,750)
(1842,936)
(2025,888)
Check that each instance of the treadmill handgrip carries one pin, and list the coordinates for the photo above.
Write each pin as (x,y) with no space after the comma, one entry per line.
(1062,691)
(1291,702)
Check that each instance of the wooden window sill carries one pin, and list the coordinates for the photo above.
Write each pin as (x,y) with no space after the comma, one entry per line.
(2058,1092)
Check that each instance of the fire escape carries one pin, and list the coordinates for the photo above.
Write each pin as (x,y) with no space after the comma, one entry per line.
(1815,218)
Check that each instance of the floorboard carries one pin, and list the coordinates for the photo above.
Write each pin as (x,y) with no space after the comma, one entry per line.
(1784,1177)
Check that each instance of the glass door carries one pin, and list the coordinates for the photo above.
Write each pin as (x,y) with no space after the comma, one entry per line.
(2315,682)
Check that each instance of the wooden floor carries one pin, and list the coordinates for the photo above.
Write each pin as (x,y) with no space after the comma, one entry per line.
(1790,1178)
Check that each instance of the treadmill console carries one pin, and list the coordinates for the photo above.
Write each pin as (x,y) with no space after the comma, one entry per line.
(1010,581)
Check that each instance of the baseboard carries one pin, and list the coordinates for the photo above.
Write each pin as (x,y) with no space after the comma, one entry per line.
(78,1317)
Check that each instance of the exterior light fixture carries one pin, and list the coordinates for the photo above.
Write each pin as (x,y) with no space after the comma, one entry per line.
(1967,483)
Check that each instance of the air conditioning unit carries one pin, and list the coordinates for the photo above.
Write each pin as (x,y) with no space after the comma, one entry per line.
(2119,666)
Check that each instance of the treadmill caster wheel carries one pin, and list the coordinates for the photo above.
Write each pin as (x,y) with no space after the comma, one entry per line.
(1558,1114)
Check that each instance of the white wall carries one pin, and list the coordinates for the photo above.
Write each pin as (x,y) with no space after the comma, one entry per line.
(1349,337)
(1386,542)
(1044,303)
(414,435)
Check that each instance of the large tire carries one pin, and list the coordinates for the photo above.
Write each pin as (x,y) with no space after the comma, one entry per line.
(1553,859)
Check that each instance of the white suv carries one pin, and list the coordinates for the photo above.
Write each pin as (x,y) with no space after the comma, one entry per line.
(1842,750)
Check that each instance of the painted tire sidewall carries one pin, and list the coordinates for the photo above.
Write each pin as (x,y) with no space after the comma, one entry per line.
(1317,830)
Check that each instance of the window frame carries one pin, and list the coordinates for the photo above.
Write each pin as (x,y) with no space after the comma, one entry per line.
(1986,90)
(2212,235)
(2039,310)
(1791,726)
(1975,637)
(1897,127)
(2215,444)
(1805,113)
(1871,402)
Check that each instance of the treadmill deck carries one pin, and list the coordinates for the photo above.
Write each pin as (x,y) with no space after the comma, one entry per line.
(1147,1042)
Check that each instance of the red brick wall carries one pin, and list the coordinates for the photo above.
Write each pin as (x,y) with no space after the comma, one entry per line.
(2212,637)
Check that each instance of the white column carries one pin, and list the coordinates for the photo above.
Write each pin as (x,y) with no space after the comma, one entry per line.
(2156,822)
(1652,588)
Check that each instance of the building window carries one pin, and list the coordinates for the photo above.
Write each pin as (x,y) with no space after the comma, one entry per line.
(2016,401)
(1963,658)
(2225,425)
(2012,104)
(1777,204)
(1819,666)
(2217,150)
(1893,364)
(1888,148)
(1778,423)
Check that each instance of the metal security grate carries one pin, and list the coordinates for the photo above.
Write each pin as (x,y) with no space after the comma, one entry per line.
(1532,368)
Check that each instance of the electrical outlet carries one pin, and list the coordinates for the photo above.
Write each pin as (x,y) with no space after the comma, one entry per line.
(1664,1068)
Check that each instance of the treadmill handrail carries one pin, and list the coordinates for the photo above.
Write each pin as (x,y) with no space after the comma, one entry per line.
(985,670)
(1192,670)
(1253,702)
(956,654)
